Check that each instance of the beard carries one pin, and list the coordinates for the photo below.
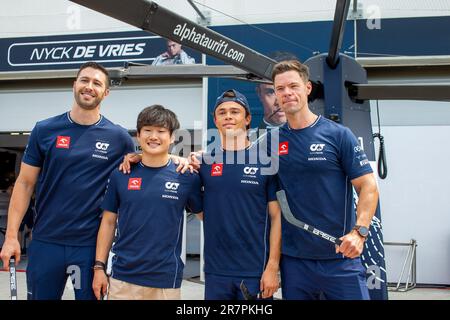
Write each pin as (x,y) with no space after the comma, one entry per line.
(87,105)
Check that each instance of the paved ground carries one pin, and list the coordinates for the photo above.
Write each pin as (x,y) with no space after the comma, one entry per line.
(193,289)
(189,289)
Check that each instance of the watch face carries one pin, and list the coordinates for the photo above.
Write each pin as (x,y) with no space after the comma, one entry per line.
(363,231)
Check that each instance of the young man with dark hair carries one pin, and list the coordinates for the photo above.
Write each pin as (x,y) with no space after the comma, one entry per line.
(68,158)
(147,207)
(320,162)
(241,218)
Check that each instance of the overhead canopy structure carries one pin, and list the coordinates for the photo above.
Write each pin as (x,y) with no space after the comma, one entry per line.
(248,64)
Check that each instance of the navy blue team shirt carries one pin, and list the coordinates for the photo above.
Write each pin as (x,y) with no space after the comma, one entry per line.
(316,166)
(76,161)
(150,205)
(236,218)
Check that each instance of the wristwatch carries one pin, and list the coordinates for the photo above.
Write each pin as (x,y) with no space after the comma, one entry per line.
(363,231)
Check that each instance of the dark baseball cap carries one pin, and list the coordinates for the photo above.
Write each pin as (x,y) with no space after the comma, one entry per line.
(235,96)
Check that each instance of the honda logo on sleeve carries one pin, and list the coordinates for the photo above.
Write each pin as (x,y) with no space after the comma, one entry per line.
(134,183)
(216,169)
(63,142)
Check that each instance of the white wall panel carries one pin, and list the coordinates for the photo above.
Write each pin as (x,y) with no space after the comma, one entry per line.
(415,199)
(19,110)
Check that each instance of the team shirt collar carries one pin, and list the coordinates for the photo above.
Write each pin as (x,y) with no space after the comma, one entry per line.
(71,120)
(245,149)
(310,126)
(164,166)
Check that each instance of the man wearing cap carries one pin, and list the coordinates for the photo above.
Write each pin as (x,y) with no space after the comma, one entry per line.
(242,223)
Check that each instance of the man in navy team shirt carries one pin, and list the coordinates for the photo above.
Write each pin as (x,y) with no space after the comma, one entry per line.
(242,219)
(148,208)
(68,158)
(319,163)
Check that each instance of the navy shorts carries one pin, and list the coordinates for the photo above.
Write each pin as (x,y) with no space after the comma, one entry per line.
(50,264)
(218,287)
(336,279)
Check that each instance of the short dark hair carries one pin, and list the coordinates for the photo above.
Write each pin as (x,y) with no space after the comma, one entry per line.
(97,66)
(291,65)
(158,116)
(235,96)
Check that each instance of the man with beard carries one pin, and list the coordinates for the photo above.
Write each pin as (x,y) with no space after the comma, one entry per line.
(69,158)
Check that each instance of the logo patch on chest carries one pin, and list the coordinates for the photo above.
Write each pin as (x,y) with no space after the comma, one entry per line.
(101,146)
(317,147)
(283,148)
(172,186)
(216,169)
(317,151)
(134,183)
(63,142)
(250,170)
(101,150)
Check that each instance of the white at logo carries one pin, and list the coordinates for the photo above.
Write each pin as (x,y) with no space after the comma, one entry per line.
(172,185)
(374,280)
(317,147)
(75,275)
(102,146)
(373,14)
(250,170)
